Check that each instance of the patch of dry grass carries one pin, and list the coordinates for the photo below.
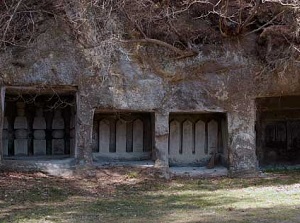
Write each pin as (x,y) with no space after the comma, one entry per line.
(140,195)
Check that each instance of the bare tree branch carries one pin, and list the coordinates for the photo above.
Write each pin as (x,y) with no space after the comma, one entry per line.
(10,19)
(178,51)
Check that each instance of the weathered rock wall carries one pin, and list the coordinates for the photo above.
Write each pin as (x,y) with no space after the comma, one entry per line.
(217,80)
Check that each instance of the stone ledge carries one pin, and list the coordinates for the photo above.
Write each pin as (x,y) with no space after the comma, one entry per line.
(60,167)
(243,173)
(198,171)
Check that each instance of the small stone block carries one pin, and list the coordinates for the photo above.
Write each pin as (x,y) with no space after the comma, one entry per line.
(20,123)
(21,134)
(175,140)
(58,134)
(72,144)
(104,136)
(58,124)
(39,123)
(120,137)
(212,130)
(4,134)
(58,146)
(5,147)
(5,123)
(39,147)
(200,138)
(20,105)
(187,138)
(72,121)
(138,136)
(39,134)
(72,133)
(21,147)
(58,121)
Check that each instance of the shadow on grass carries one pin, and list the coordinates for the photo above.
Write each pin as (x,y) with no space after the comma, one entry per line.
(160,210)
(137,204)
(35,189)
(212,184)
(36,199)
(277,214)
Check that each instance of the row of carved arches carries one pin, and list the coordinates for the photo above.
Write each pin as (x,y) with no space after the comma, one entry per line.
(122,136)
(34,126)
(193,138)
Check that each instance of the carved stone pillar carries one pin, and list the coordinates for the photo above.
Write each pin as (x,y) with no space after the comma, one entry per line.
(39,127)
(162,139)
(5,137)
(58,133)
(242,147)
(21,131)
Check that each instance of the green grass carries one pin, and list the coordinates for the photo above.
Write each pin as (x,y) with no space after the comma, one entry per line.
(275,198)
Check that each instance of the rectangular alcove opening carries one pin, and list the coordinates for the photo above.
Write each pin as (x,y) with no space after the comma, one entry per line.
(122,136)
(198,139)
(39,124)
(278,131)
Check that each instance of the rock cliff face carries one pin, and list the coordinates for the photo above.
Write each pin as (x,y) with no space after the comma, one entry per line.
(132,56)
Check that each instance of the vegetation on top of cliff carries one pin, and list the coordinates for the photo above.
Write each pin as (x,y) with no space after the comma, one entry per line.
(181,26)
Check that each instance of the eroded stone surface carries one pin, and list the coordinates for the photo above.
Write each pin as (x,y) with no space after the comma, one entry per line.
(161,139)
(54,59)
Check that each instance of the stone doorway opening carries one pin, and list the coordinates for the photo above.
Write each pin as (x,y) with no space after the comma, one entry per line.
(198,139)
(122,136)
(39,124)
(278,131)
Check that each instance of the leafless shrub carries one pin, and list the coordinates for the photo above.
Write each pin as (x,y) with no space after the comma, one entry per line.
(21,21)
(101,27)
